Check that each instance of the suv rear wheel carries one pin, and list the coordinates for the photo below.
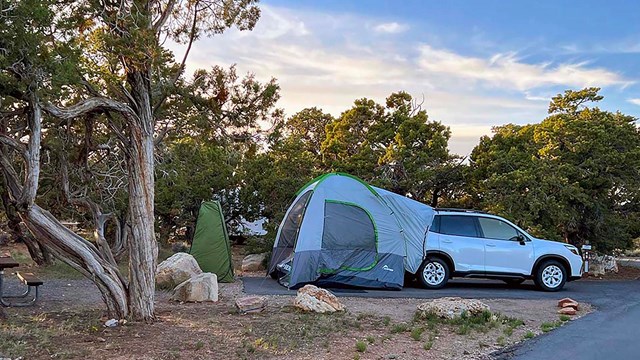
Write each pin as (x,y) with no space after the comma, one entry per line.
(434,273)
(550,275)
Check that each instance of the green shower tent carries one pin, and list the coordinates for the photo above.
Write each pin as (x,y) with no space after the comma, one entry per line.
(210,245)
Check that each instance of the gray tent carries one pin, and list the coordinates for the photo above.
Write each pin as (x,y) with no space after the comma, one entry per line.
(341,231)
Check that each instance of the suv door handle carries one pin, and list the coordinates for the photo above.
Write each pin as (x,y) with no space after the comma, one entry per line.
(491,245)
(447,241)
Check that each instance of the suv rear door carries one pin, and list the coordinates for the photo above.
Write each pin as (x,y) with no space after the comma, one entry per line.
(505,253)
(460,238)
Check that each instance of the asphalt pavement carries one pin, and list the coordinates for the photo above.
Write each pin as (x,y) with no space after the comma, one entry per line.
(611,332)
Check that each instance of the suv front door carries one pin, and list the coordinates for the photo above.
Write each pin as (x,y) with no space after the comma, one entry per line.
(460,238)
(505,252)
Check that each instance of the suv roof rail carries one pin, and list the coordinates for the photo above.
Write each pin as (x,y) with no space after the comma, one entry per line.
(461,210)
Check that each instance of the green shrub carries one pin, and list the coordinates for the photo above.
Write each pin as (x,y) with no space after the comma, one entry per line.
(416,333)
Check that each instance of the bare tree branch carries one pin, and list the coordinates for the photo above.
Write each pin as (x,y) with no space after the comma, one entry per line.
(90,105)
(192,37)
(99,219)
(19,147)
(164,16)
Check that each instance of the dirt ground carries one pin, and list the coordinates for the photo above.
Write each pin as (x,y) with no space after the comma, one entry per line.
(68,323)
(624,273)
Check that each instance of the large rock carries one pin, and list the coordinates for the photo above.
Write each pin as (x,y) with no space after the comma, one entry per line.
(176,269)
(254,262)
(451,307)
(203,287)
(313,298)
(601,264)
(251,304)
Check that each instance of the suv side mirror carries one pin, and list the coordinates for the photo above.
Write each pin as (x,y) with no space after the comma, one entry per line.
(520,239)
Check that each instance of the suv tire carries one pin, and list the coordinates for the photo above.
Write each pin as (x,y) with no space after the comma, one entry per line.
(434,273)
(550,275)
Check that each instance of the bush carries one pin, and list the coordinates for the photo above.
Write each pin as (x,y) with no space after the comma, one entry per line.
(258,245)
(180,246)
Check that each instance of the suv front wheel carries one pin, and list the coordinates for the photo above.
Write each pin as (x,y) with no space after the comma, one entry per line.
(551,275)
(434,273)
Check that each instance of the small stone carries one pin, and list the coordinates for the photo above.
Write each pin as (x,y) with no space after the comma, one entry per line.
(392,356)
(568,302)
(254,262)
(111,323)
(251,304)
(567,311)
(313,298)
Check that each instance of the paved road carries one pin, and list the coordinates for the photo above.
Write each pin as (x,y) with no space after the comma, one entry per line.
(612,332)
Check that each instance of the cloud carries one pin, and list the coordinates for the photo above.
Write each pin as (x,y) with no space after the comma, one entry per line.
(634,101)
(330,59)
(391,28)
(507,70)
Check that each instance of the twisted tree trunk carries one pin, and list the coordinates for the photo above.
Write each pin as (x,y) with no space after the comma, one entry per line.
(82,256)
(94,263)
(143,248)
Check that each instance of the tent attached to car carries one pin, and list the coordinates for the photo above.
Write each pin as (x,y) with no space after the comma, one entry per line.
(341,231)
(210,246)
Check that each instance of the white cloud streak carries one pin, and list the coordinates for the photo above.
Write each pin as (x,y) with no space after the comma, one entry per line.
(329,60)
(634,101)
(506,70)
(391,28)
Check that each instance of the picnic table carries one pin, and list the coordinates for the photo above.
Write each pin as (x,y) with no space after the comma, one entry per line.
(29,280)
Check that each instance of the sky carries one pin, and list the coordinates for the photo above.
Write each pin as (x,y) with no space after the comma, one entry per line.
(472,64)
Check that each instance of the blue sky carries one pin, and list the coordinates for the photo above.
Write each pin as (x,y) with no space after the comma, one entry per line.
(476,63)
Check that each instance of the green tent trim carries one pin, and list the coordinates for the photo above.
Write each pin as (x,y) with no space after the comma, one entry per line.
(210,245)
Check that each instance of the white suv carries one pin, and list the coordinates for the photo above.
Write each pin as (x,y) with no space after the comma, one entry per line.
(465,243)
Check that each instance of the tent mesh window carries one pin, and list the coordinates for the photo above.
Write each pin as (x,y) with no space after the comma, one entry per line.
(349,237)
(291,225)
(289,233)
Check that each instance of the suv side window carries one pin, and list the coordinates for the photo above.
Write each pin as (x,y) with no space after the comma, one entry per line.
(435,225)
(497,229)
(458,225)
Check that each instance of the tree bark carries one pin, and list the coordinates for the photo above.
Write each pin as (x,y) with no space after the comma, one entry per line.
(143,248)
(39,254)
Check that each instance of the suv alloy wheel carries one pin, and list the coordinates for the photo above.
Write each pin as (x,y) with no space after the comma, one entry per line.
(550,275)
(434,273)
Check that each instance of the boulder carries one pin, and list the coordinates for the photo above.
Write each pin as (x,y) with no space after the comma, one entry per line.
(203,287)
(602,264)
(568,302)
(176,269)
(313,298)
(254,262)
(451,307)
(251,304)
(567,311)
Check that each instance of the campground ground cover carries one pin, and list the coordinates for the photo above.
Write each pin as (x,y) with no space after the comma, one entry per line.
(68,323)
